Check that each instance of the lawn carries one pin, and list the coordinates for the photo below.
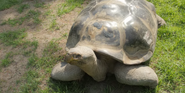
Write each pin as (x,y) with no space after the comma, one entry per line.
(33,34)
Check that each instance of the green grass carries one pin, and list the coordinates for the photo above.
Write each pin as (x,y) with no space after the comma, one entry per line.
(32,81)
(32,14)
(39,4)
(168,59)
(65,35)
(13,37)
(5,4)
(7,60)
(53,25)
(32,60)
(49,58)
(46,62)
(63,87)
(51,48)
(14,22)
(68,6)
(48,12)
(16,38)
(27,51)
(22,7)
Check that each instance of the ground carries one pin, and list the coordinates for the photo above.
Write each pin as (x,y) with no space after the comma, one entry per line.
(33,35)
(42,33)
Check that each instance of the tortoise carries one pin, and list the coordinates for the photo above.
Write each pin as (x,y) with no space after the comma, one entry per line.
(112,36)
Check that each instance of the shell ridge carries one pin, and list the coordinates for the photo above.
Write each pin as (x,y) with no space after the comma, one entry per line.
(144,22)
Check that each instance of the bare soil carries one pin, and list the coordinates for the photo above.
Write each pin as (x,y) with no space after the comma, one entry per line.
(10,75)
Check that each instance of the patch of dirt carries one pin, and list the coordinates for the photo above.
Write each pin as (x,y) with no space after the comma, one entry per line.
(10,75)
(4,50)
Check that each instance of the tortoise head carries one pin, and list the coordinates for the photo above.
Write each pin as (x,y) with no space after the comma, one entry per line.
(80,56)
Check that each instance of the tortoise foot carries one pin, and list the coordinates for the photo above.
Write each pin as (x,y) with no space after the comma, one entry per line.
(160,21)
(65,72)
(136,75)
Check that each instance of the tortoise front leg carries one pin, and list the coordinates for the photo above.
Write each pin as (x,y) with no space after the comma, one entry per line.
(136,75)
(65,72)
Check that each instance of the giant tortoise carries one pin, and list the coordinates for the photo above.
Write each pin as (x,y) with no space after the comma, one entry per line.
(113,36)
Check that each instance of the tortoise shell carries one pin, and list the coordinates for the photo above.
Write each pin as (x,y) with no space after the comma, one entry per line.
(125,30)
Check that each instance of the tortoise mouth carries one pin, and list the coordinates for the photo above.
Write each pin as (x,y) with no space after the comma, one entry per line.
(73,58)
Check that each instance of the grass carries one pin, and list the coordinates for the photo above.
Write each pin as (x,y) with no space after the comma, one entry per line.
(46,62)
(5,4)
(32,14)
(29,47)
(63,87)
(22,7)
(16,38)
(13,37)
(68,6)
(31,78)
(39,4)
(168,59)
(48,12)
(49,58)
(53,25)
(65,35)
(14,22)
(7,60)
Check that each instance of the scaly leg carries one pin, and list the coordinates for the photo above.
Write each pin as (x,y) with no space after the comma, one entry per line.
(160,21)
(65,72)
(136,75)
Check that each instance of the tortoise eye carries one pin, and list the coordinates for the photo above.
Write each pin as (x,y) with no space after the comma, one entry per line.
(77,56)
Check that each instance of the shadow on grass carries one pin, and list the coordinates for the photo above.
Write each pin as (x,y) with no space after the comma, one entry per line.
(88,85)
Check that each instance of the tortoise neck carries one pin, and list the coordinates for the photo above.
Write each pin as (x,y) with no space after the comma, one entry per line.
(97,70)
